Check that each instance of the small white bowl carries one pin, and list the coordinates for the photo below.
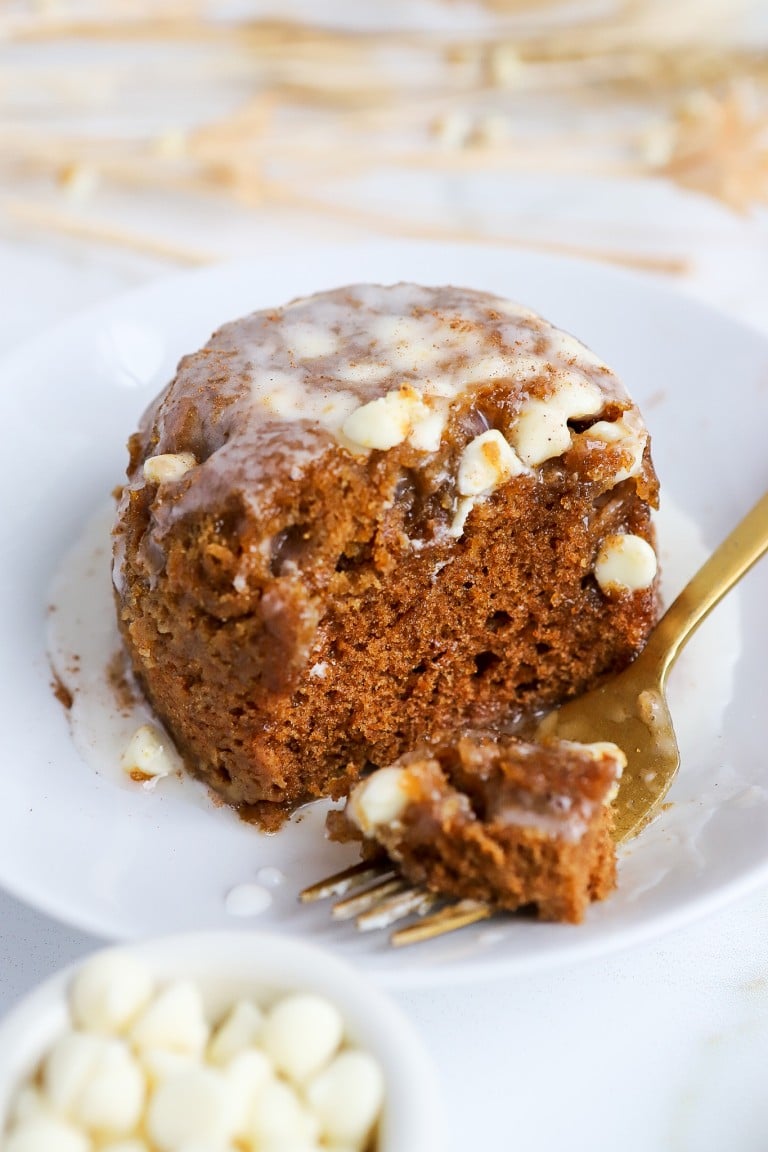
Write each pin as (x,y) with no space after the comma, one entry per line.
(228,965)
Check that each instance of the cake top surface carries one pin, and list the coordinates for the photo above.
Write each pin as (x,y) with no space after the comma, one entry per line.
(321,357)
(468,389)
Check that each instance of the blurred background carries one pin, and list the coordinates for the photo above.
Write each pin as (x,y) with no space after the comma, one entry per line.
(177,132)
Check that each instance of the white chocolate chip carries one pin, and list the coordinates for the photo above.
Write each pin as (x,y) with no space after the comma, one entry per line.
(46,1135)
(204,1146)
(194,1107)
(129,1145)
(111,989)
(486,462)
(427,430)
(381,424)
(463,509)
(148,755)
(174,1020)
(347,1097)
(378,800)
(301,1034)
(240,1029)
(160,1063)
(112,1101)
(168,466)
(94,1081)
(246,1074)
(598,749)
(279,1119)
(400,415)
(540,433)
(29,1104)
(577,398)
(67,1067)
(629,435)
(625,563)
(541,430)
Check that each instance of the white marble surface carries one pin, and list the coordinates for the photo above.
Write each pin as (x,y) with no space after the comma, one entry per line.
(661,1048)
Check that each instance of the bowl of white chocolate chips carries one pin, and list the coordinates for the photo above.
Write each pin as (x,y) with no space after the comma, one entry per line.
(214,1042)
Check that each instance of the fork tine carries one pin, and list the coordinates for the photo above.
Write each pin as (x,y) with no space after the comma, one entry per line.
(446,920)
(359,902)
(348,878)
(416,901)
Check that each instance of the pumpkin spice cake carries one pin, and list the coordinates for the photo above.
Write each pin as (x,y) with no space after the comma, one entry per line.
(488,817)
(372,516)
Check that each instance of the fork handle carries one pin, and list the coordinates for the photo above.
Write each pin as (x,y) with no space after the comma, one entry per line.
(725,567)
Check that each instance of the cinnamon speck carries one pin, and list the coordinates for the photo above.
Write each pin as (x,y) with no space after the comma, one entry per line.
(62,693)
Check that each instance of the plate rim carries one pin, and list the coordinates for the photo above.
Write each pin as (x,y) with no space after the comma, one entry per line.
(491,965)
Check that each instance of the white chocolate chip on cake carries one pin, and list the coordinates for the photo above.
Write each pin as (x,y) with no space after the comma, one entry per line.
(301,1034)
(168,466)
(380,424)
(427,430)
(398,416)
(378,800)
(598,749)
(626,433)
(148,755)
(625,563)
(463,509)
(540,433)
(486,463)
(541,430)
(109,991)
(577,398)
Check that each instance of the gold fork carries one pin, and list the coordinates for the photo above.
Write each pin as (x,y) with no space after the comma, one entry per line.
(630,710)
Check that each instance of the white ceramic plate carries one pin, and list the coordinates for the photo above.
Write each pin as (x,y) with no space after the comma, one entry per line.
(112,857)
